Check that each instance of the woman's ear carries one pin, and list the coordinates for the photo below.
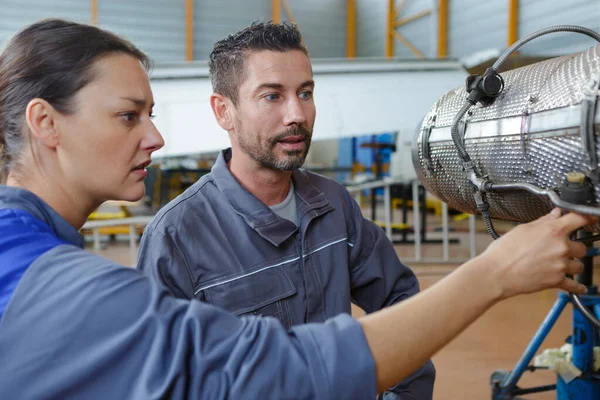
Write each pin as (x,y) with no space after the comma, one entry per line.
(222,108)
(41,120)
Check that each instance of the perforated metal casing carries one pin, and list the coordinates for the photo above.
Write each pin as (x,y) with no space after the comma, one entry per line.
(530,134)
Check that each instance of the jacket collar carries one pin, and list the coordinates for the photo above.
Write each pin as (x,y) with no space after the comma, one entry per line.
(17,198)
(259,216)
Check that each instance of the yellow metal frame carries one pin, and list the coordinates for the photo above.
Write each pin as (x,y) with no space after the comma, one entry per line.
(94,11)
(276,10)
(393,23)
(442,50)
(350,28)
(189,30)
(513,22)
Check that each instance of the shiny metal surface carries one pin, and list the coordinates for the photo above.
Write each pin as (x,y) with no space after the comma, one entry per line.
(530,134)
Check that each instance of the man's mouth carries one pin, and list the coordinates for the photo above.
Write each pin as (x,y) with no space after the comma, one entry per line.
(293,139)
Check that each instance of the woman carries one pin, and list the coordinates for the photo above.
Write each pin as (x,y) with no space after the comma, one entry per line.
(76,129)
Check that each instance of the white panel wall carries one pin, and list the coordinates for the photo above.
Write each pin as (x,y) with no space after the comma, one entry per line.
(352,99)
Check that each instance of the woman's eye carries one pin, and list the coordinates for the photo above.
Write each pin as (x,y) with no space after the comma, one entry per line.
(129,116)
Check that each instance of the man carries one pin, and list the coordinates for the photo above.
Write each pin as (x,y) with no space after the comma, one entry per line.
(260,236)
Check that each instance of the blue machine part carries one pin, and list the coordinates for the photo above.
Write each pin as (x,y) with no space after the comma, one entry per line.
(584,338)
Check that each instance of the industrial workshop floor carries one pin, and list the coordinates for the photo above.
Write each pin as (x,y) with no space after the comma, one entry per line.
(495,341)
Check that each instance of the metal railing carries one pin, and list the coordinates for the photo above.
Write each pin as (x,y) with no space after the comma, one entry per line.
(131,222)
(386,183)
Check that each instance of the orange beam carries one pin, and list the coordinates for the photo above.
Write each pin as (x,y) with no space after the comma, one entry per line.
(350,28)
(276,9)
(513,22)
(408,44)
(94,11)
(189,30)
(406,20)
(443,29)
(389,29)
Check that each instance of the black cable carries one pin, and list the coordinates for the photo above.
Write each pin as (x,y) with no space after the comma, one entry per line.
(578,304)
(462,152)
(454,132)
(588,240)
(477,94)
(552,29)
(488,224)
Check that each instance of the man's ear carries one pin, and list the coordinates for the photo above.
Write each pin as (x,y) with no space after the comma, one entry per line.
(41,120)
(223,109)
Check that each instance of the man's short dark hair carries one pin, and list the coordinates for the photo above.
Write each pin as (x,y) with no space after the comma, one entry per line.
(226,63)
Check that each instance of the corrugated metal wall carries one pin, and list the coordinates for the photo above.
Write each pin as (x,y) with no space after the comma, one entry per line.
(213,20)
(15,14)
(323,26)
(538,14)
(322,23)
(156,26)
(475,25)
(370,28)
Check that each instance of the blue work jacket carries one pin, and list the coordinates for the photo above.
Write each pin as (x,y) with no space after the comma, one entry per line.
(79,326)
(218,243)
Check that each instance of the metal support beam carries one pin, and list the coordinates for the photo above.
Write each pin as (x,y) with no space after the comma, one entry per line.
(189,30)
(513,22)
(276,9)
(408,44)
(389,38)
(94,11)
(406,20)
(392,23)
(350,28)
(442,29)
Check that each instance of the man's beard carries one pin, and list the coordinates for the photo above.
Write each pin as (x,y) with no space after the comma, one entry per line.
(266,157)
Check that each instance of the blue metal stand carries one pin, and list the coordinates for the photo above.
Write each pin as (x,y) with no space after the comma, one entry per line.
(584,338)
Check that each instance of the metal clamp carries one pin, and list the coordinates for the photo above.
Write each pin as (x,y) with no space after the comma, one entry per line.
(425,145)
(586,129)
(525,126)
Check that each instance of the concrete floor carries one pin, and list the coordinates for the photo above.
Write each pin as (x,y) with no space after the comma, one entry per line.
(495,341)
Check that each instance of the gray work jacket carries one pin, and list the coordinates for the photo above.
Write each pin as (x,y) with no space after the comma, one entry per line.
(218,243)
(79,326)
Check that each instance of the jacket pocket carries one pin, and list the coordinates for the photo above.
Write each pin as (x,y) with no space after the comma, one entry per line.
(261,293)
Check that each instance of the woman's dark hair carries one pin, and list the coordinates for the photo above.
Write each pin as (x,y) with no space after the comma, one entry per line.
(52,60)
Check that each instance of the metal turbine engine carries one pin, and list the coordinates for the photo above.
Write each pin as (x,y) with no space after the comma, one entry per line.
(504,144)
(513,146)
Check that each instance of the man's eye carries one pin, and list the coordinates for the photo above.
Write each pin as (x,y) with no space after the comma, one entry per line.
(305,95)
(272,97)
